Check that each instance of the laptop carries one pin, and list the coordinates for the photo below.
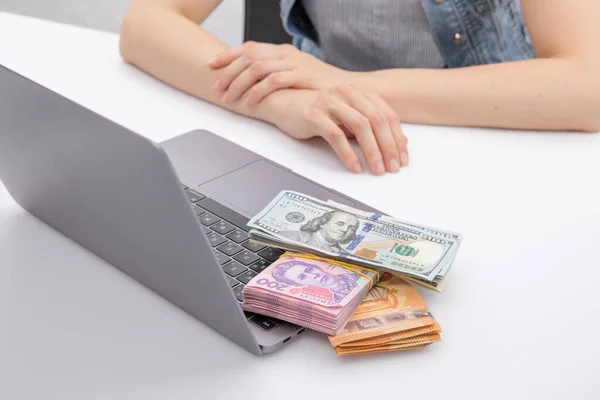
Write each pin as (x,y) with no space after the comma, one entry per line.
(171,215)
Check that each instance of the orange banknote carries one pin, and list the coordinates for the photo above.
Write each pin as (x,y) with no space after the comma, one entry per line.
(393,316)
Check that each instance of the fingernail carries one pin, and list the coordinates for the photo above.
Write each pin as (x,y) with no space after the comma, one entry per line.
(357,167)
(217,86)
(226,97)
(394,165)
(404,159)
(213,60)
(379,167)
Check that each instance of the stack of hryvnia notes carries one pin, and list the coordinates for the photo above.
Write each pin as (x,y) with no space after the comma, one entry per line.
(315,293)
(347,273)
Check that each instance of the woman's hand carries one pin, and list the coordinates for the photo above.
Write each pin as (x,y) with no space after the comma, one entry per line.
(259,69)
(341,113)
(330,108)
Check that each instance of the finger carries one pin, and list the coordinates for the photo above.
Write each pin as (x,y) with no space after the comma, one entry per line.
(226,57)
(250,49)
(231,72)
(360,127)
(335,136)
(394,120)
(379,125)
(256,72)
(246,54)
(347,132)
(275,81)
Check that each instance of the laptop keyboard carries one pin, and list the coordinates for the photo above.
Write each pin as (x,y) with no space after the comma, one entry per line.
(240,259)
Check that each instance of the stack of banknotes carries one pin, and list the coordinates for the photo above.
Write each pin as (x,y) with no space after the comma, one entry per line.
(392,317)
(300,223)
(309,291)
(361,312)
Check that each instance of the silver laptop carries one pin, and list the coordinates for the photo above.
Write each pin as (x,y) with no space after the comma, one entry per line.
(172,216)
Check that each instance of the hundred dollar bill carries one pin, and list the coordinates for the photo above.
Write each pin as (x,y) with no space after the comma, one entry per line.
(445,234)
(298,222)
(437,284)
(434,231)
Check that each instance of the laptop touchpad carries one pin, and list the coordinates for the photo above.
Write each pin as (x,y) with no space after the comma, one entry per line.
(250,188)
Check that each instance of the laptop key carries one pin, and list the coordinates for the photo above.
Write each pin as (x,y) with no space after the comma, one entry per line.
(237,236)
(239,292)
(234,268)
(260,266)
(199,210)
(263,322)
(222,227)
(253,247)
(246,257)
(221,258)
(270,253)
(207,231)
(230,248)
(246,277)
(232,282)
(225,213)
(207,219)
(194,196)
(216,240)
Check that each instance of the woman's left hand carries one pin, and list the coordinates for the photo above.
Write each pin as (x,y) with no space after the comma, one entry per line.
(259,69)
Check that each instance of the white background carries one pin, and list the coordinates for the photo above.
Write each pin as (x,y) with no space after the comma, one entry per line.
(227,22)
(519,313)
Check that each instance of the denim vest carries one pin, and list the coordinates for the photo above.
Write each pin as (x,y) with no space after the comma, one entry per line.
(468,32)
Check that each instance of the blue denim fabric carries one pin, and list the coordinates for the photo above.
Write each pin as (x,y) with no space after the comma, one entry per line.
(468,32)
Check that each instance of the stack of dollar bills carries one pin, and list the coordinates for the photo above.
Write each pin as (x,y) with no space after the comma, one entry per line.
(296,222)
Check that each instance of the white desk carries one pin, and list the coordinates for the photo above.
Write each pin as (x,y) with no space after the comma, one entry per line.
(519,314)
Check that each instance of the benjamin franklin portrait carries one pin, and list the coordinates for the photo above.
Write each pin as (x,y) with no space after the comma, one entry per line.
(326,232)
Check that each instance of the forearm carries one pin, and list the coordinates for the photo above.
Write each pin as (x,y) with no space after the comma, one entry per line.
(548,94)
(176,50)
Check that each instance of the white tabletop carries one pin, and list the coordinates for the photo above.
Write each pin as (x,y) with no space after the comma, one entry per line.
(519,313)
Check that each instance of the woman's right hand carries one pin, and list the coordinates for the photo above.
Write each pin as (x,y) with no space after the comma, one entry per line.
(341,113)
